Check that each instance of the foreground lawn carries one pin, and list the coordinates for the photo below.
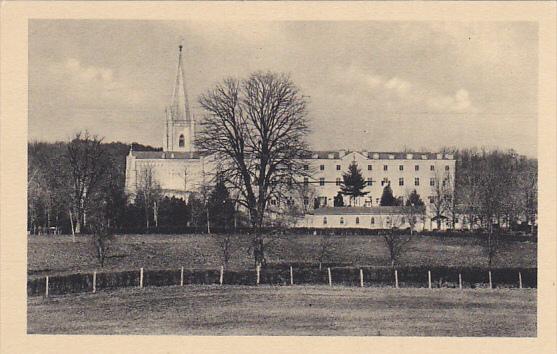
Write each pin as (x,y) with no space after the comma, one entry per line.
(49,255)
(297,310)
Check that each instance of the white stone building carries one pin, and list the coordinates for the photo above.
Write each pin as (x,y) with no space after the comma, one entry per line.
(180,170)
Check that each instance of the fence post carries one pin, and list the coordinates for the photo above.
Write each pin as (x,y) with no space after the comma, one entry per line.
(95,281)
(396,279)
(490,284)
(221,279)
(361,278)
(182,276)
(459,281)
(429,279)
(330,278)
(519,280)
(141,278)
(291,276)
(46,287)
(257,270)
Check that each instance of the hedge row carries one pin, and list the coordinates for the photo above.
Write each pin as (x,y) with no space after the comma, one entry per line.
(317,231)
(279,274)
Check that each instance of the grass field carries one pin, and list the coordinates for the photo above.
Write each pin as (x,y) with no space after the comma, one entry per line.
(49,255)
(298,310)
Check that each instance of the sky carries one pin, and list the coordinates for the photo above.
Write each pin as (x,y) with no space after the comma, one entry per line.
(374,85)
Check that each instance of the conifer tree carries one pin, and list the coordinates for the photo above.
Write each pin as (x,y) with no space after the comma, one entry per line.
(338,201)
(353,183)
(414,199)
(387,199)
(221,207)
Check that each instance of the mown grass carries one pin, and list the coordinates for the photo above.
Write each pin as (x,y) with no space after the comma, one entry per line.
(296,310)
(49,255)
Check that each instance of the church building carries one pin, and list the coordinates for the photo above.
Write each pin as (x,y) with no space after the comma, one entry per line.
(180,170)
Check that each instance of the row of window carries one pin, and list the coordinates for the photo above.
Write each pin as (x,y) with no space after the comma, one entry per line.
(385,167)
(372,220)
(385,181)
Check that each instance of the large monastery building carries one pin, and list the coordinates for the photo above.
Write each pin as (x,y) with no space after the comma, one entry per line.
(181,170)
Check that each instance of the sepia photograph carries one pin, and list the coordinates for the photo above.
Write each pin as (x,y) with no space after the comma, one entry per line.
(309,178)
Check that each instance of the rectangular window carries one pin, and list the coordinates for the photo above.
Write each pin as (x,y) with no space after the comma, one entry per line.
(401,181)
(338,181)
(338,167)
(416,181)
(321,181)
(417,167)
(369,182)
(322,167)
(369,167)
(306,200)
(432,168)
(385,168)
(431,199)
(432,182)
(306,181)
(401,168)
(306,167)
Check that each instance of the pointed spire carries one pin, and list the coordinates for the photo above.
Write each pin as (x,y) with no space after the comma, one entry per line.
(180,107)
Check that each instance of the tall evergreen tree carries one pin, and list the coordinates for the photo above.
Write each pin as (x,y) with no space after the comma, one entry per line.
(414,199)
(221,206)
(387,198)
(353,183)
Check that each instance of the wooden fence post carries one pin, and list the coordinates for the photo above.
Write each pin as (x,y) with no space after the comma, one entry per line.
(141,278)
(182,276)
(291,276)
(46,287)
(361,278)
(490,284)
(519,280)
(95,281)
(429,279)
(396,279)
(330,277)
(257,270)
(459,281)
(221,278)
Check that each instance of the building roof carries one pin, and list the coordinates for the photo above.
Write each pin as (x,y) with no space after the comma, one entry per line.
(380,155)
(330,154)
(380,210)
(166,155)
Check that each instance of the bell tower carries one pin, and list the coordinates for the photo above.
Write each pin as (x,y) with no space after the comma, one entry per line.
(179,132)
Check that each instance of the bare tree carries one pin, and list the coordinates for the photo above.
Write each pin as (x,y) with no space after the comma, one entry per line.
(326,248)
(442,195)
(256,128)
(396,241)
(88,165)
(148,192)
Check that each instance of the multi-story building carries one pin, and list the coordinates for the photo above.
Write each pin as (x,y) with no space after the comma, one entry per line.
(180,170)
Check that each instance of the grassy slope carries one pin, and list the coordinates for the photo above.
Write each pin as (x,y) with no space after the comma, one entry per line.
(58,254)
(229,310)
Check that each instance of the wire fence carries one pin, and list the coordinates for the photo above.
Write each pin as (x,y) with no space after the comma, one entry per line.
(290,275)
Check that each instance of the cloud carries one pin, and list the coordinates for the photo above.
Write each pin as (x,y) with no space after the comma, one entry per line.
(92,85)
(387,93)
(88,74)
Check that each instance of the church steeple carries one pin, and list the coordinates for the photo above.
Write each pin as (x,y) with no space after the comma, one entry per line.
(180,124)
(180,106)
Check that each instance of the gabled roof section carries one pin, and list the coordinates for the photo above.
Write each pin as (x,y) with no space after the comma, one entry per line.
(180,106)
(379,155)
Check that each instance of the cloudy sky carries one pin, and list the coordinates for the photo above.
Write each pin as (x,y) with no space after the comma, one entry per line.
(371,85)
